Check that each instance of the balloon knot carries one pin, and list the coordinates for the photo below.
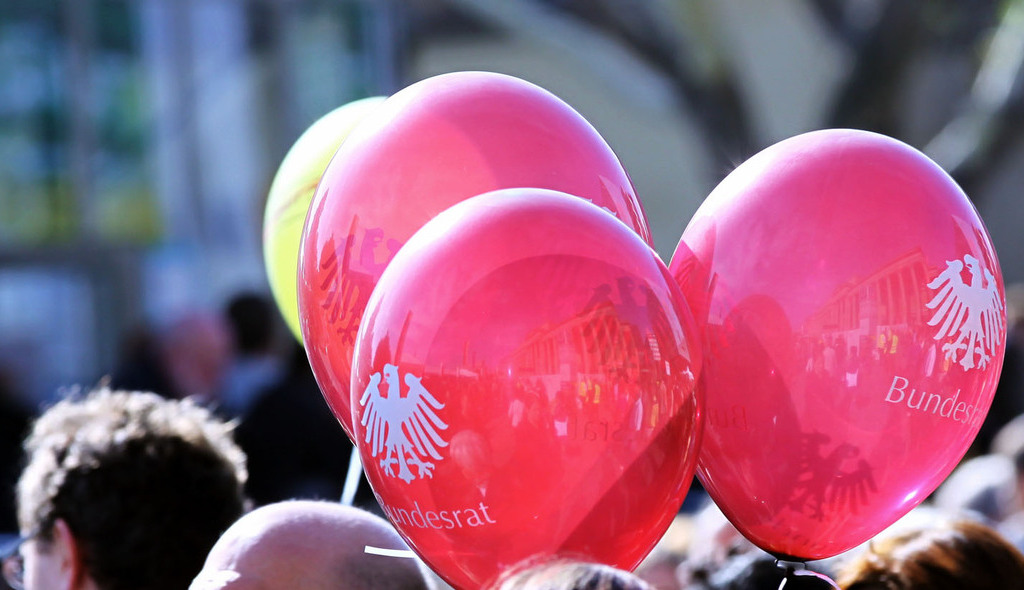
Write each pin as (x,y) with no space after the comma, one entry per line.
(798,577)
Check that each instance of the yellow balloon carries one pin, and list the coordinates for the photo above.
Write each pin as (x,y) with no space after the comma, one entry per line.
(290,195)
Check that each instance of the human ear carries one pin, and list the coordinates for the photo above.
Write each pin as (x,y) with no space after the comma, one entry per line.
(68,553)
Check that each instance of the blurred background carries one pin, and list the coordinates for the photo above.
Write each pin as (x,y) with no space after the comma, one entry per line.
(138,138)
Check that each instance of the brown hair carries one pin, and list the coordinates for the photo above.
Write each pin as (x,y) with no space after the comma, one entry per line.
(566,574)
(953,555)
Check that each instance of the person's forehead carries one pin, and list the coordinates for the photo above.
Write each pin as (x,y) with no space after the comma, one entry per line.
(214,579)
(255,563)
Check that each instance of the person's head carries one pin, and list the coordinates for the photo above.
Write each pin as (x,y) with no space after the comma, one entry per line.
(125,490)
(308,544)
(196,349)
(252,318)
(949,555)
(757,570)
(748,570)
(566,574)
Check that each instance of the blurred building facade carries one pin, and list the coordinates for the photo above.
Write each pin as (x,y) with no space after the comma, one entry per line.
(138,138)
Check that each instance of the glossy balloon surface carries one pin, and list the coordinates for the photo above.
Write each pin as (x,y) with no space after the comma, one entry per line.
(429,146)
(853,320)
(524,384)
(290,195)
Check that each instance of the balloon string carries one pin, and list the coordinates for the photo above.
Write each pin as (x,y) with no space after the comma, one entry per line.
(348,495)
(799,569)
(355,472)
(389,552)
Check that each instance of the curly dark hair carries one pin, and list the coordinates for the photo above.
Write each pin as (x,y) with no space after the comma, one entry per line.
(145,484)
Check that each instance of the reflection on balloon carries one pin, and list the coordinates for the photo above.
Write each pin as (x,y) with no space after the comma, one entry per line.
(524,384)
(290,195)
(852,312)
(429,146)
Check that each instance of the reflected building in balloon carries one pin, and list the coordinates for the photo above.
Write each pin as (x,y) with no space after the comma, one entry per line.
(344,278)
(879,310)
(604,357)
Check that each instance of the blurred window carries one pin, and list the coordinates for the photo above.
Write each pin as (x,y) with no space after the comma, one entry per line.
(132,131)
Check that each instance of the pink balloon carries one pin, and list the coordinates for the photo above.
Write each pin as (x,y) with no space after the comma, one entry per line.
(853,319)
(429,146)
(524,385)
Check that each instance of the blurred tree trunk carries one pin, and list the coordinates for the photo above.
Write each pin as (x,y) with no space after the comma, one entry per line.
(885,40)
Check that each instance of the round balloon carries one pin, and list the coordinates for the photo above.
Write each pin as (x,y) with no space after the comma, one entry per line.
(852,314)
(290,194)
(524,384)
(431,145)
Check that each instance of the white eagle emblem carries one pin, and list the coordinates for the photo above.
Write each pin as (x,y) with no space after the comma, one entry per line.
(405,424)
(971,312)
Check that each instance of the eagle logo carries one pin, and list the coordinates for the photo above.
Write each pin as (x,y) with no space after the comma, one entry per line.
(968,312)
(405,424)
(836,480)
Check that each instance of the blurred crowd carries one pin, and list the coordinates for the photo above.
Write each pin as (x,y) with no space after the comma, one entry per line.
(230,396)
(242,364)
